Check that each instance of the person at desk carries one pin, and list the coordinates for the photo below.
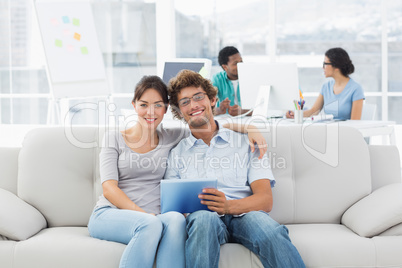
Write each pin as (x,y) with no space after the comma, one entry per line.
(342,97)
(227,82)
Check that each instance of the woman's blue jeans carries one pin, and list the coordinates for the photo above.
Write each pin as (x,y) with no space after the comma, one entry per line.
(145,235)
(255,230)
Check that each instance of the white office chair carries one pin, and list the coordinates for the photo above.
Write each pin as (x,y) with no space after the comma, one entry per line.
(368,112)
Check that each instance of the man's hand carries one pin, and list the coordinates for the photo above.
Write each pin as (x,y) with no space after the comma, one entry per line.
(234,110)
(215,200)
(255,136)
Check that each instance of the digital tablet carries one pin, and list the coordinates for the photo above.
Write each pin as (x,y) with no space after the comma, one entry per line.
(181,195)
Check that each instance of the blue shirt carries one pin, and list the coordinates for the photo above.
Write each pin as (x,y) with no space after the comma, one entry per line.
(225,88)
(341,105)
(228,159)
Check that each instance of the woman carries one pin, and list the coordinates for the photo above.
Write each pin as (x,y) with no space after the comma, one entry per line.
(342,97)
(132,163)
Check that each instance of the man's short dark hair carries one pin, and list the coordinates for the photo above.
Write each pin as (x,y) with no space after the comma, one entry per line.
(225,53)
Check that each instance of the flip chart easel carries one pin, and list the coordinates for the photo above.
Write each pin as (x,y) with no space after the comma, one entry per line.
(74,62)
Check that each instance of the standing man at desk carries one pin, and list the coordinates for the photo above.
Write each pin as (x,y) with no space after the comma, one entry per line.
(243,199)
(227,82)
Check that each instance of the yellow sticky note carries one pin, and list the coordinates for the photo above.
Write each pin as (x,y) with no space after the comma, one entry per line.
(77,36)
(203,72)
(84,50)
(58,43)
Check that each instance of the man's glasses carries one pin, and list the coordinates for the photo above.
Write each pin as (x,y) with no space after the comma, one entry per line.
(325,63)
(196,97)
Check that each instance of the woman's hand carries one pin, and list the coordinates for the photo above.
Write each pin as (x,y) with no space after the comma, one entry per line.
(255,137)
(290,114)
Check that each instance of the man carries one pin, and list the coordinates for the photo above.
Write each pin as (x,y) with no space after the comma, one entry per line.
(227,82)
(240,205)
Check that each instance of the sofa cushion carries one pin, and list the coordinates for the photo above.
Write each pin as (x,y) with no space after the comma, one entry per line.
(377,212)
(332,246)
(65,247)
(244,257)
(394,230)
(7,253)
(388,251)
(18,220)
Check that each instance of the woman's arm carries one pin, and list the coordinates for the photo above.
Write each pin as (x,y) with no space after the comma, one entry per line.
(254,136)
(318,104)
(117,197)
(357,108)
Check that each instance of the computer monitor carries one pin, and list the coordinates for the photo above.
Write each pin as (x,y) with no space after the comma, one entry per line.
(282,78)
(174,66)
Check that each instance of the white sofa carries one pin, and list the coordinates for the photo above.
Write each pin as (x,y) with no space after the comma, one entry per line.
(340,199)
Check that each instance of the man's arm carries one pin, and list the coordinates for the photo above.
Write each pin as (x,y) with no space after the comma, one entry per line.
(261,199)
(254,136)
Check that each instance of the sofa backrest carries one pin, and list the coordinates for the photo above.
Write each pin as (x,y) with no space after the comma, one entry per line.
(8,168)
(57,173)
(327,169)
(385,165)
(320,170)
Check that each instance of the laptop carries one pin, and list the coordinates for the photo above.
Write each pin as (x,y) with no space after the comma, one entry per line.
(181,195)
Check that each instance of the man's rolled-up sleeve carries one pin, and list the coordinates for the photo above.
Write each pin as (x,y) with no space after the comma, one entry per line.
(259,168)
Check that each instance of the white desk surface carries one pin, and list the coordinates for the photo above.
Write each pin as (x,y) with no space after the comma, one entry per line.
(368,128)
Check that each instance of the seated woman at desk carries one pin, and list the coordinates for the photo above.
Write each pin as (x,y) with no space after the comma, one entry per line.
(342,97)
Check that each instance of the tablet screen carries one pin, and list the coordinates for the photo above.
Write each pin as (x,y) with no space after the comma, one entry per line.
(181,195)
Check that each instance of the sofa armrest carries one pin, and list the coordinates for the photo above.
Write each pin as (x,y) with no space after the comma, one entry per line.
(393,231)
(377,212)
(18,219)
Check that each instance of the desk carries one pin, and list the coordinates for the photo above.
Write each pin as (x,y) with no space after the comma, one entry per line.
(368,128)
(373,128)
